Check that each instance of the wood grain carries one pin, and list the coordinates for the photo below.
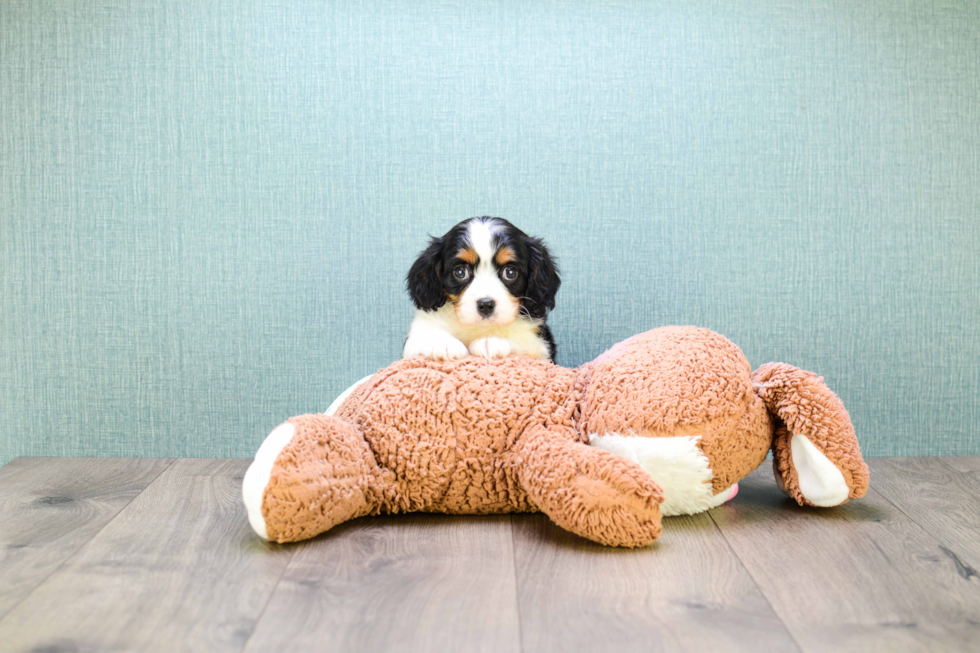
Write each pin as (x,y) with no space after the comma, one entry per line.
(177,570)
(405,583)
(50,507)
(941,499)
(964,464)
(859,577)
(90,563)
(688,592)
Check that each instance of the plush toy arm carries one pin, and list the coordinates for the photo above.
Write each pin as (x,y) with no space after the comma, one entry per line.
(587,491)
(311,473)
(816,457)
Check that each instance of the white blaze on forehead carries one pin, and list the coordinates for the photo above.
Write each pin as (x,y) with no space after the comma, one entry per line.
(480,235)
(485,283)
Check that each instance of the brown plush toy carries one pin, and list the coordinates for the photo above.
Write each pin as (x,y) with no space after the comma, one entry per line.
(664,423)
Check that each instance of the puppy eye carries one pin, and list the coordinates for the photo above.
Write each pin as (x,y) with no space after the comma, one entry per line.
(510,273)
(461,272)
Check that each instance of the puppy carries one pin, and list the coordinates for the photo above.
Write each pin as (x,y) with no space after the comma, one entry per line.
(484,288)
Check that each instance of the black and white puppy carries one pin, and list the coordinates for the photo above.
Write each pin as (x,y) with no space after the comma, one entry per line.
(484,288)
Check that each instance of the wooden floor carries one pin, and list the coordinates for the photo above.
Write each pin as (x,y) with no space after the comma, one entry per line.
(151,554)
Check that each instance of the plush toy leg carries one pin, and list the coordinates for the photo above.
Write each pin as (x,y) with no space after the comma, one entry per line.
(816,457)
(311,473)
(590,492)
(258,473)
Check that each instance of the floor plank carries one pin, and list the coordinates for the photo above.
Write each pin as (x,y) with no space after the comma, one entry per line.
(92,561)
(177,570)
(941,499)
(406,583)
(860,577)
(688,592)
(50,507)
(964,464)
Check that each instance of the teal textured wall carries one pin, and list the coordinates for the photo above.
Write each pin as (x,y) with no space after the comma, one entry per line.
(207,208)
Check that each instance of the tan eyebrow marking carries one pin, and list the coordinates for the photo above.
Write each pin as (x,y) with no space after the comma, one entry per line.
(505,255)
(468,254)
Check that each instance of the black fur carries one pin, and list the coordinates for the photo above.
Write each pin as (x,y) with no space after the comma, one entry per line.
(545,333)
(430,280)
(543,280)
(424,280)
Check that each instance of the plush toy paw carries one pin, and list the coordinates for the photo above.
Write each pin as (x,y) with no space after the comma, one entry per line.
(491,347)
(311,473)
(588,491)
(816,457)
(257,477)
(609,500)
(818,481)
(438,346)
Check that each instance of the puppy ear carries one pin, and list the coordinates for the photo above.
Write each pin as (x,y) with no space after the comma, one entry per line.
(423,281)
(543,280)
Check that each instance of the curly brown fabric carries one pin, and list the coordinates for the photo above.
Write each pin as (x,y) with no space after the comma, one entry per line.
(474,436)
(803,404)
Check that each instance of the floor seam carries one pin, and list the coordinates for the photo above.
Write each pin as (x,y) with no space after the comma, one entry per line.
(758,587)
(85,543)
(517,592)
(272,594)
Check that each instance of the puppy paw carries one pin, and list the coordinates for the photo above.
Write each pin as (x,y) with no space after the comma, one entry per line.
(491,347)
(437,347)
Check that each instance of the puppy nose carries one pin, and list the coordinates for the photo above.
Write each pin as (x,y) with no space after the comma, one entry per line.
(485,306)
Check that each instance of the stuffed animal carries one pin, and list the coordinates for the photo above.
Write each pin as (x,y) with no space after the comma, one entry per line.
(664,423)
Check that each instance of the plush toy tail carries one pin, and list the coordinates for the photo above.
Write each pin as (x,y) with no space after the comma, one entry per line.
(816,457)
(588,491)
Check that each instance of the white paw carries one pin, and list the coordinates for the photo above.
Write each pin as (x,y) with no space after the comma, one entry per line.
(257,476)
(435,346)
(820,481)
(491,347)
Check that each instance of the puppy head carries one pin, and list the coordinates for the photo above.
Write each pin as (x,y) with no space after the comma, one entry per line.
(490,270)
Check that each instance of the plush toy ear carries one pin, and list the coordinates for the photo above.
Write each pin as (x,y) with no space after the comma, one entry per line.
(423,281)
(543,280)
